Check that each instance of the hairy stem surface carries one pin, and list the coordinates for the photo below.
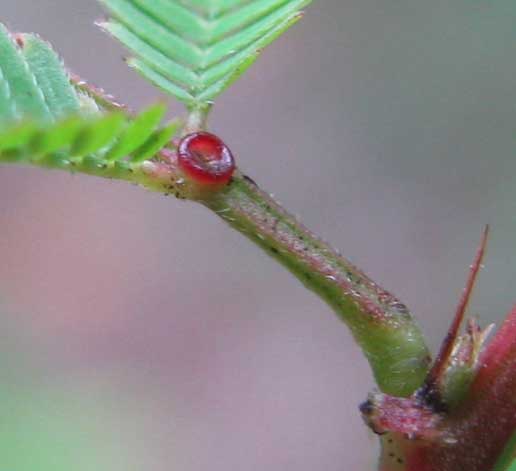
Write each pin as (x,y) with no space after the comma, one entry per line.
(379,322)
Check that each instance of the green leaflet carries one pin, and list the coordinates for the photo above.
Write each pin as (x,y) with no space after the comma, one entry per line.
(33,82)
(60,97)
(156,141)
(136,133)
(109,145)
(47,121)
(195,49)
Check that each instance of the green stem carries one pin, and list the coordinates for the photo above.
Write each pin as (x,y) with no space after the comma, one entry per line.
(508,456)
(380,323)
(197,119)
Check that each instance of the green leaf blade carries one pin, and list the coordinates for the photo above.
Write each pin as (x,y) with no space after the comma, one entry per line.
(217,87)
(17,138)
(154,58)
(56,138)
(251,33)
(155,142)
(161,81)
(99,134)
(178,18)
(137,132)
(243,17)
(212,9)
(153,32)
(111,145)
(34,85)
(226,72)
(23,95)
(193,50)
(50,76)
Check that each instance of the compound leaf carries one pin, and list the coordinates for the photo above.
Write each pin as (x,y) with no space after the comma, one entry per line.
(110,144)
(195,49)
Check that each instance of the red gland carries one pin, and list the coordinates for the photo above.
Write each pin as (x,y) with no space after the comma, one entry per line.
(205,158)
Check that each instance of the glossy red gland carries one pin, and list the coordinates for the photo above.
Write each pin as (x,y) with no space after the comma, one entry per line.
(205,158)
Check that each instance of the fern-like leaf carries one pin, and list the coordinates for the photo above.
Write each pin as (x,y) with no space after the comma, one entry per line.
(194,49)
(48,121)
(110,145)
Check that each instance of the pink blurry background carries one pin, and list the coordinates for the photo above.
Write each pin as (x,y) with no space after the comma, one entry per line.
(139,332)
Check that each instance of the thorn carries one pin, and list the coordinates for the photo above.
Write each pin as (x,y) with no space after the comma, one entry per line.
(436,373)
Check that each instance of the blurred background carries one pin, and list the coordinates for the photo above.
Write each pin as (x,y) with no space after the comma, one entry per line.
(139,332)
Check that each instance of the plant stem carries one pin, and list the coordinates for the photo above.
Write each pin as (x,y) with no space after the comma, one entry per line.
(196,119)
(379,322)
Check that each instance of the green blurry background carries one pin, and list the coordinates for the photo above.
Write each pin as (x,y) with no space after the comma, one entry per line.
(138,332)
